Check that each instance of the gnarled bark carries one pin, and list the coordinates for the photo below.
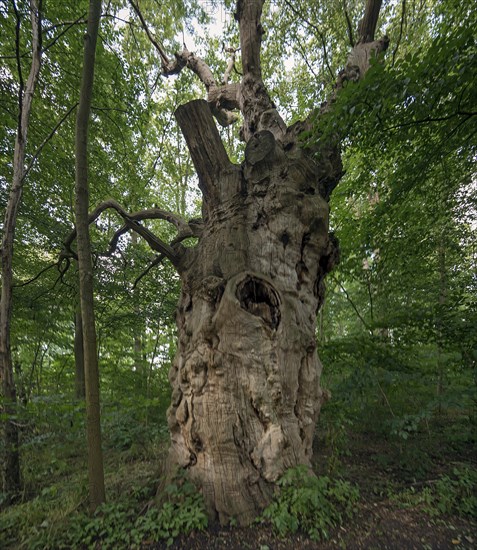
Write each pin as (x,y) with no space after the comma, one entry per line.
(246,391)
(246,378)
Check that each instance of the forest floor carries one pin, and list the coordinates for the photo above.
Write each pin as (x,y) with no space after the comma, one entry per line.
(393,511)
(397,509)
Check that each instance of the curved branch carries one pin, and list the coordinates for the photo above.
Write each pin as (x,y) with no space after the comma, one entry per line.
(216,95)
(131,221)
(154,242)
(113,243)
(37,276)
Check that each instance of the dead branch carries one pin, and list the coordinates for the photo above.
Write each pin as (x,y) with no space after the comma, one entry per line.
(217,96)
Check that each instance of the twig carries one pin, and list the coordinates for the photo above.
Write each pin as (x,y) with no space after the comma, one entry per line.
(403,16)
(81,19)
(343,289)
(47,139)
(157,260)
(318,31)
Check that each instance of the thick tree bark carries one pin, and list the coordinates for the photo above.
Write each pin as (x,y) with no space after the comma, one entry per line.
(246,391)
(95,455)
(246,378)
(11,473)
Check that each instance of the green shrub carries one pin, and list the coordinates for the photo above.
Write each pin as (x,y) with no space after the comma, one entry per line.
(457,494)
(454,494)
(313,504)
(117,525)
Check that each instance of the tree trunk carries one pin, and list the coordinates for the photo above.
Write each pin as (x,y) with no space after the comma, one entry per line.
(139,363)
(246,379)
(79,356)
(246,392)
(11,473)
(441,252)
(95,455)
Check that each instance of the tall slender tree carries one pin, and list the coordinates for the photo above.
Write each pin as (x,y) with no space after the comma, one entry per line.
(26,91)
(85,265)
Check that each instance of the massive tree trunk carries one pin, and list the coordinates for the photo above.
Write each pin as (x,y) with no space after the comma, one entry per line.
(246,392)
(11,473)
(246,379)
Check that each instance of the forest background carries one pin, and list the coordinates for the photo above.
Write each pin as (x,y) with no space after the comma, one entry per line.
(397,332)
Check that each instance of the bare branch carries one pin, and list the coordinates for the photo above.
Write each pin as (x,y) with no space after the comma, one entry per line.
(199,67)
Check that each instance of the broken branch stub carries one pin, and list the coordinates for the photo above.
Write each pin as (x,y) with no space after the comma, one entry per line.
(205,146)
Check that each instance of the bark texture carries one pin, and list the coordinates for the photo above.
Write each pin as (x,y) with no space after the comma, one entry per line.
(95,455)
(246,391)
(11,471)
(246,378)
(79,356)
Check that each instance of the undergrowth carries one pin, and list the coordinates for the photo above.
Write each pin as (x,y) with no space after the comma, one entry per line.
(313,504)
(451,494)
(123,523)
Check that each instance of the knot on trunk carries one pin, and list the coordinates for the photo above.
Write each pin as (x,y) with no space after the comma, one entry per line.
(260,299)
